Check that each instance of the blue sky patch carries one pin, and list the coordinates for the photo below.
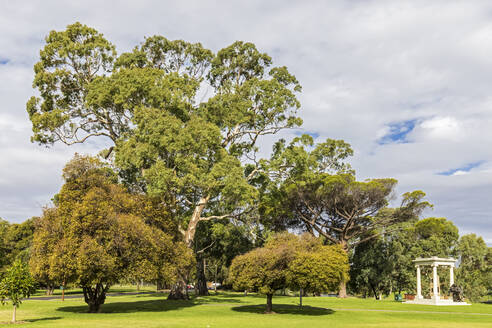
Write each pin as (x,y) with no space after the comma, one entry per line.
(463,169)
(398,132)
(4,61)
(312,134)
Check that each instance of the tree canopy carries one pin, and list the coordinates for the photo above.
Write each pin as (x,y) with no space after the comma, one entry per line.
(181,119)
(15,242)
(16,285)
(288,260)
(474,274)
(312,189)
(93,238)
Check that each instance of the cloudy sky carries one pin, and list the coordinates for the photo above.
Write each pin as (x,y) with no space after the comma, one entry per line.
(407,83)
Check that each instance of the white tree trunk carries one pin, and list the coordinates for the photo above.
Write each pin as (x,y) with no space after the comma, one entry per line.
(13,314)
(195,218)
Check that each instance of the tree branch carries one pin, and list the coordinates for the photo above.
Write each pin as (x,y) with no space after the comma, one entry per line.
(215,217)
(205,248)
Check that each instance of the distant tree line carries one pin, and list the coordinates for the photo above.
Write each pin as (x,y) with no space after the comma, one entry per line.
(15,242)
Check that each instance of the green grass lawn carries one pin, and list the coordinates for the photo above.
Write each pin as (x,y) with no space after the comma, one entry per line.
(235,310)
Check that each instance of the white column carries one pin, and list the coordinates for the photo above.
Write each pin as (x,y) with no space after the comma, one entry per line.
(419,285)
(434,281)
(451,275)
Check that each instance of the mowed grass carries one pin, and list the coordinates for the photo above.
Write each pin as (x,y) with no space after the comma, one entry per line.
(235,310)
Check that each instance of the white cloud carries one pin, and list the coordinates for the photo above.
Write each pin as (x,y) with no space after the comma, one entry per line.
(446,128)
(460,172)
(363,65)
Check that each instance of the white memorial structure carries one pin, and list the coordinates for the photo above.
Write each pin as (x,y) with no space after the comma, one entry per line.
(435,295)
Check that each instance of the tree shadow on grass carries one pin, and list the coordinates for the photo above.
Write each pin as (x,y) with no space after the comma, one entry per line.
(43,319)
(228,294)
(143,295)
(129,307)
(284,309)
(158,305)
(209,300)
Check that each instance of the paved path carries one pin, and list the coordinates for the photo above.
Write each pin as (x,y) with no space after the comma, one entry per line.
(410,311)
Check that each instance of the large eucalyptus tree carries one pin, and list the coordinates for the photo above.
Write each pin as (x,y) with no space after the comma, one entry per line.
(181,120)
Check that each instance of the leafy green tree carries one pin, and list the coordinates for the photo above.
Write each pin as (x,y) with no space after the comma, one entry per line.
(375,266)
(289,260)
(264,269)
(19,239)
(312,189)
(195,158)
(189,153)
(372,267)
(488,273)
(430,237)
(157,214)
(15,242)
(69,63)
(16,285)
(319,269)
(48,233)
(435,237)
(177,270)
(401,243)
(93,238)
(475,267)
(4,249)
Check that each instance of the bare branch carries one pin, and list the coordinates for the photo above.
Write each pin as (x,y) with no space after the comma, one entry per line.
(205,248)
(366,239)
(208,218)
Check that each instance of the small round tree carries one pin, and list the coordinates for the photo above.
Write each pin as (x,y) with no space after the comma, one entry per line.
(16,285)
(319,269)
(288,260)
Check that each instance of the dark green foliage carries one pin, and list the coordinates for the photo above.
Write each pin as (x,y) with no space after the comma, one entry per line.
(384,264)
(475,270)
(372,268)
(219,243)
(435,237)
(15,242)
(4,250)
